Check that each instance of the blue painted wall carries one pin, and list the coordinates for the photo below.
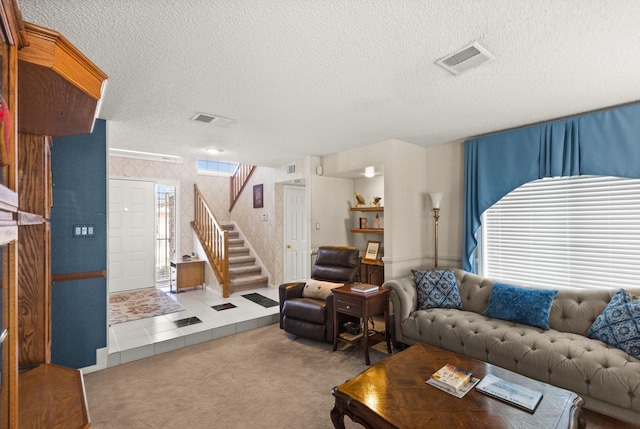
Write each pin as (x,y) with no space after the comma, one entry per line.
(79,307)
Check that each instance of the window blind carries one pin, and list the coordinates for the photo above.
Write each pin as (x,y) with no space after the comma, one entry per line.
(578,232)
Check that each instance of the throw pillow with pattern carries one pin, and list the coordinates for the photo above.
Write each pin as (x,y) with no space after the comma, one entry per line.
(619,323)
(437,289)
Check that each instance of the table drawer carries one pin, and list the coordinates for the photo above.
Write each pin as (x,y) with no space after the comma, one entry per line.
(349,306)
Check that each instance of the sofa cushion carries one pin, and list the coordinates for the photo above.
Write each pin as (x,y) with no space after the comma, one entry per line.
(318,289)
(619,323)
(437,289)
(526,306)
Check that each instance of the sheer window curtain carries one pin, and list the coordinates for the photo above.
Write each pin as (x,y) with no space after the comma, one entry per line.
(604,143)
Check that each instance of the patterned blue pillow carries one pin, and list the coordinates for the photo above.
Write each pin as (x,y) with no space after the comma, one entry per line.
(619,323)
(437,288)
(527,306)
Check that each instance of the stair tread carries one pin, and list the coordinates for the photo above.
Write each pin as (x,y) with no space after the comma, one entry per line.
(244,269)
(248,280)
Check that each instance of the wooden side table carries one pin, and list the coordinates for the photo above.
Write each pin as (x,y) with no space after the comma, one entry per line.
(362,305)
(188,274)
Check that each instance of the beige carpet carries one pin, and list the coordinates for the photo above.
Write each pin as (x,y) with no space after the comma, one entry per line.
(261,378)
(140,304)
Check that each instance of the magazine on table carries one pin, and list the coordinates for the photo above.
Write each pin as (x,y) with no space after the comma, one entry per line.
(453,380)
(511,393)
(457,393)
(452,376)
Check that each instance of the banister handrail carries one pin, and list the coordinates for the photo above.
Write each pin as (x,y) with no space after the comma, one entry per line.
(238,181)
(214,239)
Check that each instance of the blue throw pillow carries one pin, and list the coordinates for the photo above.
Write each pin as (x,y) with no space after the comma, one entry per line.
(619,323)
(437,288)
(526,306)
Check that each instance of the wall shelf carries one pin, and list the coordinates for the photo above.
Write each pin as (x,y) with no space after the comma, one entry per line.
(366,209)
(367,230)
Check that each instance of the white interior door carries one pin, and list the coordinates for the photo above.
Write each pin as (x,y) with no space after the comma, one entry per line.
(131,235)
(296,251)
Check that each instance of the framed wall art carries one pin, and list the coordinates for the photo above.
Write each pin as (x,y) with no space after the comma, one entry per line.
(372,251)
(258,196)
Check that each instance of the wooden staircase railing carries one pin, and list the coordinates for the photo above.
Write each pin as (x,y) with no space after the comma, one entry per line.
(238,181)
(214,239)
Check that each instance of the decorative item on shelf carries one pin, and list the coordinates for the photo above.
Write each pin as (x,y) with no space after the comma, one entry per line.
(372,251)
(436,198)
(375,202)
(377,222)
(359,200)
(363,223)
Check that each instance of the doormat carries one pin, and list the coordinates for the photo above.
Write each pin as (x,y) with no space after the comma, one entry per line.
(140,304)
(262,300)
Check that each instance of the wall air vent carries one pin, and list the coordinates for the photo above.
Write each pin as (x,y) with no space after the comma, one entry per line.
(291,169)
(465,59)
(211,119)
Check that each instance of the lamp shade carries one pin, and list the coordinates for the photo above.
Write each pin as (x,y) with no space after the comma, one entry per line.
(436,198)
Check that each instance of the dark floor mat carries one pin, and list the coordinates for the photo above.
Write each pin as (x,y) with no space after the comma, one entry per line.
(262,300)
(225,306)
(186,322)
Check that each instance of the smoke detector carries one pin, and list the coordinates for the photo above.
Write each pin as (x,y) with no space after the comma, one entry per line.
(464,59)
(212,119)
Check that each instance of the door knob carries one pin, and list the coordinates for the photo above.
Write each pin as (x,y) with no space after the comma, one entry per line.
(288,246)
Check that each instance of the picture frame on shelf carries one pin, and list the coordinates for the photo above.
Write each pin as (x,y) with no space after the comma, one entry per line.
(363,223)
(258,196)
(372,251)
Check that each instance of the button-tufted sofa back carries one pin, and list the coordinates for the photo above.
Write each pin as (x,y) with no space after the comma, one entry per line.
(572,310)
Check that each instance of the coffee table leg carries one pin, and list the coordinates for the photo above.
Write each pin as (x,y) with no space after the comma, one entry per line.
(337,417)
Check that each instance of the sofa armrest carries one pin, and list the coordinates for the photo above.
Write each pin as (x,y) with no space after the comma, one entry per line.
(287,291)
(404,301)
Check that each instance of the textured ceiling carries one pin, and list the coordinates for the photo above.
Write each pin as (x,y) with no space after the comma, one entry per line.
(314,77)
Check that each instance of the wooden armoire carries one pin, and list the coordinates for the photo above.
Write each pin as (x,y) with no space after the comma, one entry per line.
(48,89)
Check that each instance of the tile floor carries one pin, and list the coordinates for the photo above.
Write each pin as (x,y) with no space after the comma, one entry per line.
(143,338)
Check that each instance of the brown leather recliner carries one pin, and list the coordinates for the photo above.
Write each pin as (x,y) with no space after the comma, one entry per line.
(313,318)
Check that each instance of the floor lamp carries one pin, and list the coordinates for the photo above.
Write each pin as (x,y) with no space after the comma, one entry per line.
(436,198)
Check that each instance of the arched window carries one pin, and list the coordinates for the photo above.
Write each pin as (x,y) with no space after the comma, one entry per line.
(580,231)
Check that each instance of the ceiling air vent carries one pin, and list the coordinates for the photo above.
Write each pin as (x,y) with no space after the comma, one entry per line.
(465,59)
(211,119)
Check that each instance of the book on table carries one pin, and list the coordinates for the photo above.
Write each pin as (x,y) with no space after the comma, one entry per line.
(365,288)
(453,380)
(511,393)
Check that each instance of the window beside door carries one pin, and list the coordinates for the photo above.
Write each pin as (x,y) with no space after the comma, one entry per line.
(165,231)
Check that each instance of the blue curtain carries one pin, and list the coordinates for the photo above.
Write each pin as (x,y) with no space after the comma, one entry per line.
(605,143)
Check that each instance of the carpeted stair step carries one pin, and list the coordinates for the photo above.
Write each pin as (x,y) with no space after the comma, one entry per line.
(235,261)
(236,242)
(243,271)
(248,282)
(238,251)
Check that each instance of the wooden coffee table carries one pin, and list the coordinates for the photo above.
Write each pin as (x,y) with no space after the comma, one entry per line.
(393,394)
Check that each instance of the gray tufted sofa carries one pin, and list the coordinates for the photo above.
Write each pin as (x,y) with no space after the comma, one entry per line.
(608,379)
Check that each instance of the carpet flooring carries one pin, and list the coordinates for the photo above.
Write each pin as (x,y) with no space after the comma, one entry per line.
(140,304)
(262,378)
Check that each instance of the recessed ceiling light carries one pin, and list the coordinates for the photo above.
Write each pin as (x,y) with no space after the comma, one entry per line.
(369,171)
(214,150)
